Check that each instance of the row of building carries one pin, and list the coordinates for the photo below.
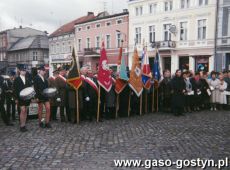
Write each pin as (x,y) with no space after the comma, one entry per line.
(190,34)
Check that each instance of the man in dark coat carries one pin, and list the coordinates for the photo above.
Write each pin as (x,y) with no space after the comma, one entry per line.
(53,101)
(40,83)
(10,99)
(90,94)
(165,90)
(61,85)
(197,86)
(178,89)
(20,83)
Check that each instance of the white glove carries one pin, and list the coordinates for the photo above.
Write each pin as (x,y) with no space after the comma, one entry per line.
(58,100)
(87,99)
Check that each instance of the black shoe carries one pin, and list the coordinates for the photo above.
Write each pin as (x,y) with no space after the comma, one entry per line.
(41,125)
(23,129)
(10,124)
(48,125)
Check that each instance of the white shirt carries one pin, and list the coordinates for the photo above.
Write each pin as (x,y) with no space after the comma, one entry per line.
(41,77)
(23,79)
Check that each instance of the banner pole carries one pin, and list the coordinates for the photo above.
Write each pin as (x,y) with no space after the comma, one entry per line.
(117,106)
(77,102)
(141,105)
(129,103)
(98,103)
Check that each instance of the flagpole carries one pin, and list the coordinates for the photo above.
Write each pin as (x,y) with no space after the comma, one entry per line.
(153,99)
(129,103)
(98,103)
(146,101)
(77,102)
(141,105)
(157,99)
(117,106)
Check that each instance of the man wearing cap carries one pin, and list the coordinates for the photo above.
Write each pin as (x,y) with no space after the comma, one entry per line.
(60,82)
(20,83)
(40,83)
(10,102)
(53,101)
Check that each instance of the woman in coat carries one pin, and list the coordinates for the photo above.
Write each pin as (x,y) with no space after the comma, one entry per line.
(214,84)
(222,89)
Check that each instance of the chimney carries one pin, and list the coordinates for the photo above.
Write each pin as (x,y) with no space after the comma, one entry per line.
(20,27)
(125,10)
(90,13)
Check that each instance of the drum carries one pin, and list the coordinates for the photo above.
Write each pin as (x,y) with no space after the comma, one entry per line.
(27,93)
(50,92)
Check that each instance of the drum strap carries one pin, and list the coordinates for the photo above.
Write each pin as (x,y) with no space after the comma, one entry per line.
(91,83)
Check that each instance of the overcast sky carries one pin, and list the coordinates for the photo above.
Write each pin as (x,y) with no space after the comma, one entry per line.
(50,14)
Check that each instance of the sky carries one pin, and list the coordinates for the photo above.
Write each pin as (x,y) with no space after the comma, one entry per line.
(48,15)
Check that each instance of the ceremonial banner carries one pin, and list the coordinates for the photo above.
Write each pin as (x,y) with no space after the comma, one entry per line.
(74,79)
(104,77)
(146,72)
(135,81)
(122,77)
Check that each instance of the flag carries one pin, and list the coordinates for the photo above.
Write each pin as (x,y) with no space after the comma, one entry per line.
(156,66)
(104,77)
(122,77)
(74,79)
(135,81)
(146,73)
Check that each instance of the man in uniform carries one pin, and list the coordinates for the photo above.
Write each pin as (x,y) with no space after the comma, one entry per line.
(20,83)
(53,101)
(40,83)
(61,85)
(10,99)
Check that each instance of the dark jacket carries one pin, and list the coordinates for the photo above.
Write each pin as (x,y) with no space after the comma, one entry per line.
(39,86)
(61,87)
(18,87)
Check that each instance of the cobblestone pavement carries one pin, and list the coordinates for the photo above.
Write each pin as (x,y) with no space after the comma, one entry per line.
(92,145)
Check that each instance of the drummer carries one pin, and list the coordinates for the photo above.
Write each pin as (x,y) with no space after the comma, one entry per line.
(40,83)
(20,83)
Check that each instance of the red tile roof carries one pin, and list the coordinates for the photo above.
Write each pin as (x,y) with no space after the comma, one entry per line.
(69,27)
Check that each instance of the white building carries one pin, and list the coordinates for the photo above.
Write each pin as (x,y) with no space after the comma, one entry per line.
(190,47)
(61,43)
(222,60)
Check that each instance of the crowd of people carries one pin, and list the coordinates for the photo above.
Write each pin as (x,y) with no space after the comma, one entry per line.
(187,91)
(181,93)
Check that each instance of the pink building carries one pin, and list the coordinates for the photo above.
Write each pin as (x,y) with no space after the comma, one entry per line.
(112,29)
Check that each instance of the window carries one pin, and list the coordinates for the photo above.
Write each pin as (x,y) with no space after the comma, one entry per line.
(57,48)
(168,5)
(79,29)
(98,25)
(97,42)
(63,47)
(88,42)
(184,4)
(79,44)
(183,31)
(201,29)
(108,23)
(151,33)
(203,2)
(167,34)
(139,11)
(70,47)
(138,35)
(119,21)
(88,27)
(118,40)
(108,39)
(152,8)
(35,56)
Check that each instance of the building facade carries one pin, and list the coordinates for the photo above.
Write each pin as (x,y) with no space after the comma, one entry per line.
(61,43)
(9,38)
(112,29)
(222,60)
(32,51)
(183,30)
